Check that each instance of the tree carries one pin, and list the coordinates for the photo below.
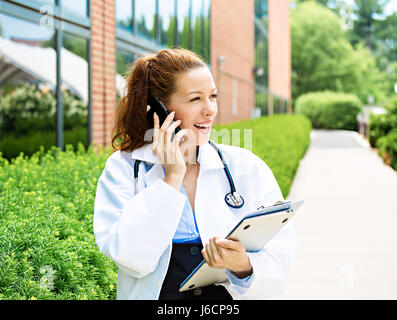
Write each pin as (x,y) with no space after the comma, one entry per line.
(185,36)
(197,36)
(364,23)
(323,58)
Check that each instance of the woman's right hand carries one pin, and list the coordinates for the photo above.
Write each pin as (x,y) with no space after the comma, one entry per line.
(167,151)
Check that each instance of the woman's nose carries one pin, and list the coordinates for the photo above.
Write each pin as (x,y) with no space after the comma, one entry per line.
(210,107)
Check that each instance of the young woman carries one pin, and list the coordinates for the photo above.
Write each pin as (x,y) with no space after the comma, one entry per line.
(159,227)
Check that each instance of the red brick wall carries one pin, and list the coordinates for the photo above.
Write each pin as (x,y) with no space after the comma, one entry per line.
(279,48)
(232,35)
(103,61)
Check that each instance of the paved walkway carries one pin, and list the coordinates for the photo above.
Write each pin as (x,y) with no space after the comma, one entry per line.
(347,227)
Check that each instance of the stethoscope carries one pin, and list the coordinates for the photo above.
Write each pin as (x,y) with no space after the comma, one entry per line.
(232,199)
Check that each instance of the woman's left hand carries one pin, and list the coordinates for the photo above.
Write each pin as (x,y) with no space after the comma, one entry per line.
(227,254)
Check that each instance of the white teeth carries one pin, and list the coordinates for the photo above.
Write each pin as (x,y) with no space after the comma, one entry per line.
(202,126)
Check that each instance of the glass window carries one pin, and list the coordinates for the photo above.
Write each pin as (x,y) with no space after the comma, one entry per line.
(183,22)
(27,87)
(74,72)
(197,27)
(124,14)
(124,60)
(261,55)
(124,64)
(167,22)
(75,7)
(207,33)
(145,15)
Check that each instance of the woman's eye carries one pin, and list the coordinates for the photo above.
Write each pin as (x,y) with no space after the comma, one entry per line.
(214,95)
(194,99)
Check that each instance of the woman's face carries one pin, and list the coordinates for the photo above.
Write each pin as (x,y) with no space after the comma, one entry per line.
(194,102)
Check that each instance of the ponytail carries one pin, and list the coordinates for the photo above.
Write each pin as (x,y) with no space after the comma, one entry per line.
(152,74)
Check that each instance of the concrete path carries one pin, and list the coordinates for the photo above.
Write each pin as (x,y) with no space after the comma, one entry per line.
(347,228)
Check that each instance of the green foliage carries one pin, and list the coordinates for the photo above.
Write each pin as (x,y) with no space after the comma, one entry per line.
(387,148)
(381,124)
(280,140)
(47,246)
(323,58)
(12,145)
(330,110)
(26,108)
(28,120)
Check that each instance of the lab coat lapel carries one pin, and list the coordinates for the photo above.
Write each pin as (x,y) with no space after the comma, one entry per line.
(145,153)
(213,216)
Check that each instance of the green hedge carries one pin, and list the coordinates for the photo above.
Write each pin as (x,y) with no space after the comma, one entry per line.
(381,124)
(12,145)
(330,110)
(47,246)
(280,140)
(387,148)
(383,133)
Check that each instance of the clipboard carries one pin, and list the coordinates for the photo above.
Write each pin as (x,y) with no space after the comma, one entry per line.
(253,231)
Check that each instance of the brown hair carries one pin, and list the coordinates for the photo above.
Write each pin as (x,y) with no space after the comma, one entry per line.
(157,73)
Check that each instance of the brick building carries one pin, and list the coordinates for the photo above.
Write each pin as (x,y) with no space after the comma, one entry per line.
(245,43)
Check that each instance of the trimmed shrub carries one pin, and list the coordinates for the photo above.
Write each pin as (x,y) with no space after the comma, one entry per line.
(12,145)
(280,140)
(387,148)
(330,110)
(381,124)
(47,245)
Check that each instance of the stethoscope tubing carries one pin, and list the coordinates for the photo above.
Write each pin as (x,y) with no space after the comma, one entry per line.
(232,199)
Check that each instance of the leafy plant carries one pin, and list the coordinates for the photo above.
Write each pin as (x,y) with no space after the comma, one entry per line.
(47,246)
(387,148)
(330,110)
(280,140)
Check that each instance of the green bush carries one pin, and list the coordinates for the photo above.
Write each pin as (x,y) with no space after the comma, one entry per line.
(330,110)
(381,124)
(27,109)
(11,145)
(280,140)
(387,148)
(47,246)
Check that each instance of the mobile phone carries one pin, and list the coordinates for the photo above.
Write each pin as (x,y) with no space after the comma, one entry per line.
(155,105)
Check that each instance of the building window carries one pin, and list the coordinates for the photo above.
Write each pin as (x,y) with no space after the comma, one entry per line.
(27,86)
(78,8)
(31,78)
(124,14)
(167,23)
(146,19)
(183,23)
(75,91)
(261,55)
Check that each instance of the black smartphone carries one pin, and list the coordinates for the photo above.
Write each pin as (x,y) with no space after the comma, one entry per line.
(155,105)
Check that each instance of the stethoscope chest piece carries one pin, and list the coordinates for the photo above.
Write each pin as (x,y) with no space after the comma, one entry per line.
(234,200)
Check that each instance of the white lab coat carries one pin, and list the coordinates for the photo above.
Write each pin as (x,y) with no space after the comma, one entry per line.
(135,227)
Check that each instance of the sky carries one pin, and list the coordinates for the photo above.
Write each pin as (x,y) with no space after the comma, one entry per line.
(389,9)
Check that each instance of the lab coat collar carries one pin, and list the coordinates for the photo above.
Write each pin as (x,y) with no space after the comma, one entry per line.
(207,157)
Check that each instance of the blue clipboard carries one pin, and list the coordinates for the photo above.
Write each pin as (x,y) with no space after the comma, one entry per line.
(253,231)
